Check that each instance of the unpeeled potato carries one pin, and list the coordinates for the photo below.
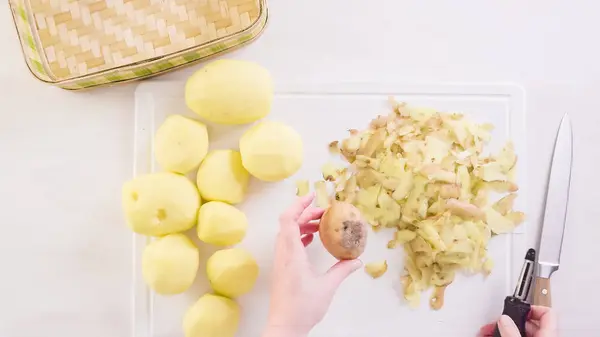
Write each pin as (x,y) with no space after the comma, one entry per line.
(343,231)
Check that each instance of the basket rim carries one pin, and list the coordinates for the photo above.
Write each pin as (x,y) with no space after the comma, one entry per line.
(262,18)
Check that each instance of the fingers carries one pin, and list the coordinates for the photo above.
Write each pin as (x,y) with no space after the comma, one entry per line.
(507,327)
(537,312)
(297,222)
(487,330)
(306,220)
(293,213)
(309,228)
(339,272)
(307,239)
(310,214)
(546,316)
(531,328)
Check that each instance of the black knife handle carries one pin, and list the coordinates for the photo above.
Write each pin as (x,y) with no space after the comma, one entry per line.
(518,311)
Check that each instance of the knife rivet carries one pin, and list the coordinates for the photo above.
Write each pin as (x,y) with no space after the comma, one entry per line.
(545,291)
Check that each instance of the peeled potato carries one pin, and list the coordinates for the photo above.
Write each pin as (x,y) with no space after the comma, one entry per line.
(343,231)
(230,92)
(212,316)
(160,203)
(232,272)
(221,177)
(180,144)
(170,264)
(221,224)
(271,151)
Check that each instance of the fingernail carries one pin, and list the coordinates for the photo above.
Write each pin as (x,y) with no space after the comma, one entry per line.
(505,321)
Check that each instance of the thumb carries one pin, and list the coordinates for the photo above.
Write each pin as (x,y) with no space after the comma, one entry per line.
(507,327)
(339,272)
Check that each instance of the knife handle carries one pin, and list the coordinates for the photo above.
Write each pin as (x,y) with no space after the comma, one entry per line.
(518,311)
(541,294)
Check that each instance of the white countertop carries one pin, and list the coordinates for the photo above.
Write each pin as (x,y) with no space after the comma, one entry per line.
(65,252)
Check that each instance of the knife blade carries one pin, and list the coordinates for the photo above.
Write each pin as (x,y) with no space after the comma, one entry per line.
(555,213)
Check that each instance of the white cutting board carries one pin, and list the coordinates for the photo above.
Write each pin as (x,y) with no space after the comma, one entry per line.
(362,307)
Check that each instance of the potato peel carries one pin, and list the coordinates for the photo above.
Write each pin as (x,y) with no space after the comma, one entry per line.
(422,173)
(302,187)
(404,236)
(322,196)
(516,217)
(497,222)
(504,205)
(436,302)
(329,171)
(376,269)
(334,147)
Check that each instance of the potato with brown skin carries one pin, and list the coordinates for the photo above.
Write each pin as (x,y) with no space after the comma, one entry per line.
(343,231)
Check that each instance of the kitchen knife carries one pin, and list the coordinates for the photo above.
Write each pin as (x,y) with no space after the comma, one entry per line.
(516,306)
(555,213)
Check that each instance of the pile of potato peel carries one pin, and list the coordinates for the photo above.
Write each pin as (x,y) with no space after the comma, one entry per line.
(423,174)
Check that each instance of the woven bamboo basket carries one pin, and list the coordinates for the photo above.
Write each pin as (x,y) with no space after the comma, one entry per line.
(79,44)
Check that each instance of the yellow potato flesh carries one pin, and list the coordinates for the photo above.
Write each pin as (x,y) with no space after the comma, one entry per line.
(212,316)
(180,144)
(170,264)
(221,177)
(160,203)
(230,92)
(221,224)
(271,151)
(232,272)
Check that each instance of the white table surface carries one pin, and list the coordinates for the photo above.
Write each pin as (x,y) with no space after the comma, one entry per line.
(65,253)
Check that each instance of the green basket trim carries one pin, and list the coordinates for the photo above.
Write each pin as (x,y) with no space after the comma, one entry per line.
(178,61)
(142,72)
(245,38)
(163,66)
(191,57)
(72,86)
(29,41)
(218,48)
(85,84)
(114,77)
(22,13)
(38,66)
(129,75)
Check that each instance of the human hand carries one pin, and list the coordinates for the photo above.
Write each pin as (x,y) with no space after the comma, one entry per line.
(542,322)
(300,296)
